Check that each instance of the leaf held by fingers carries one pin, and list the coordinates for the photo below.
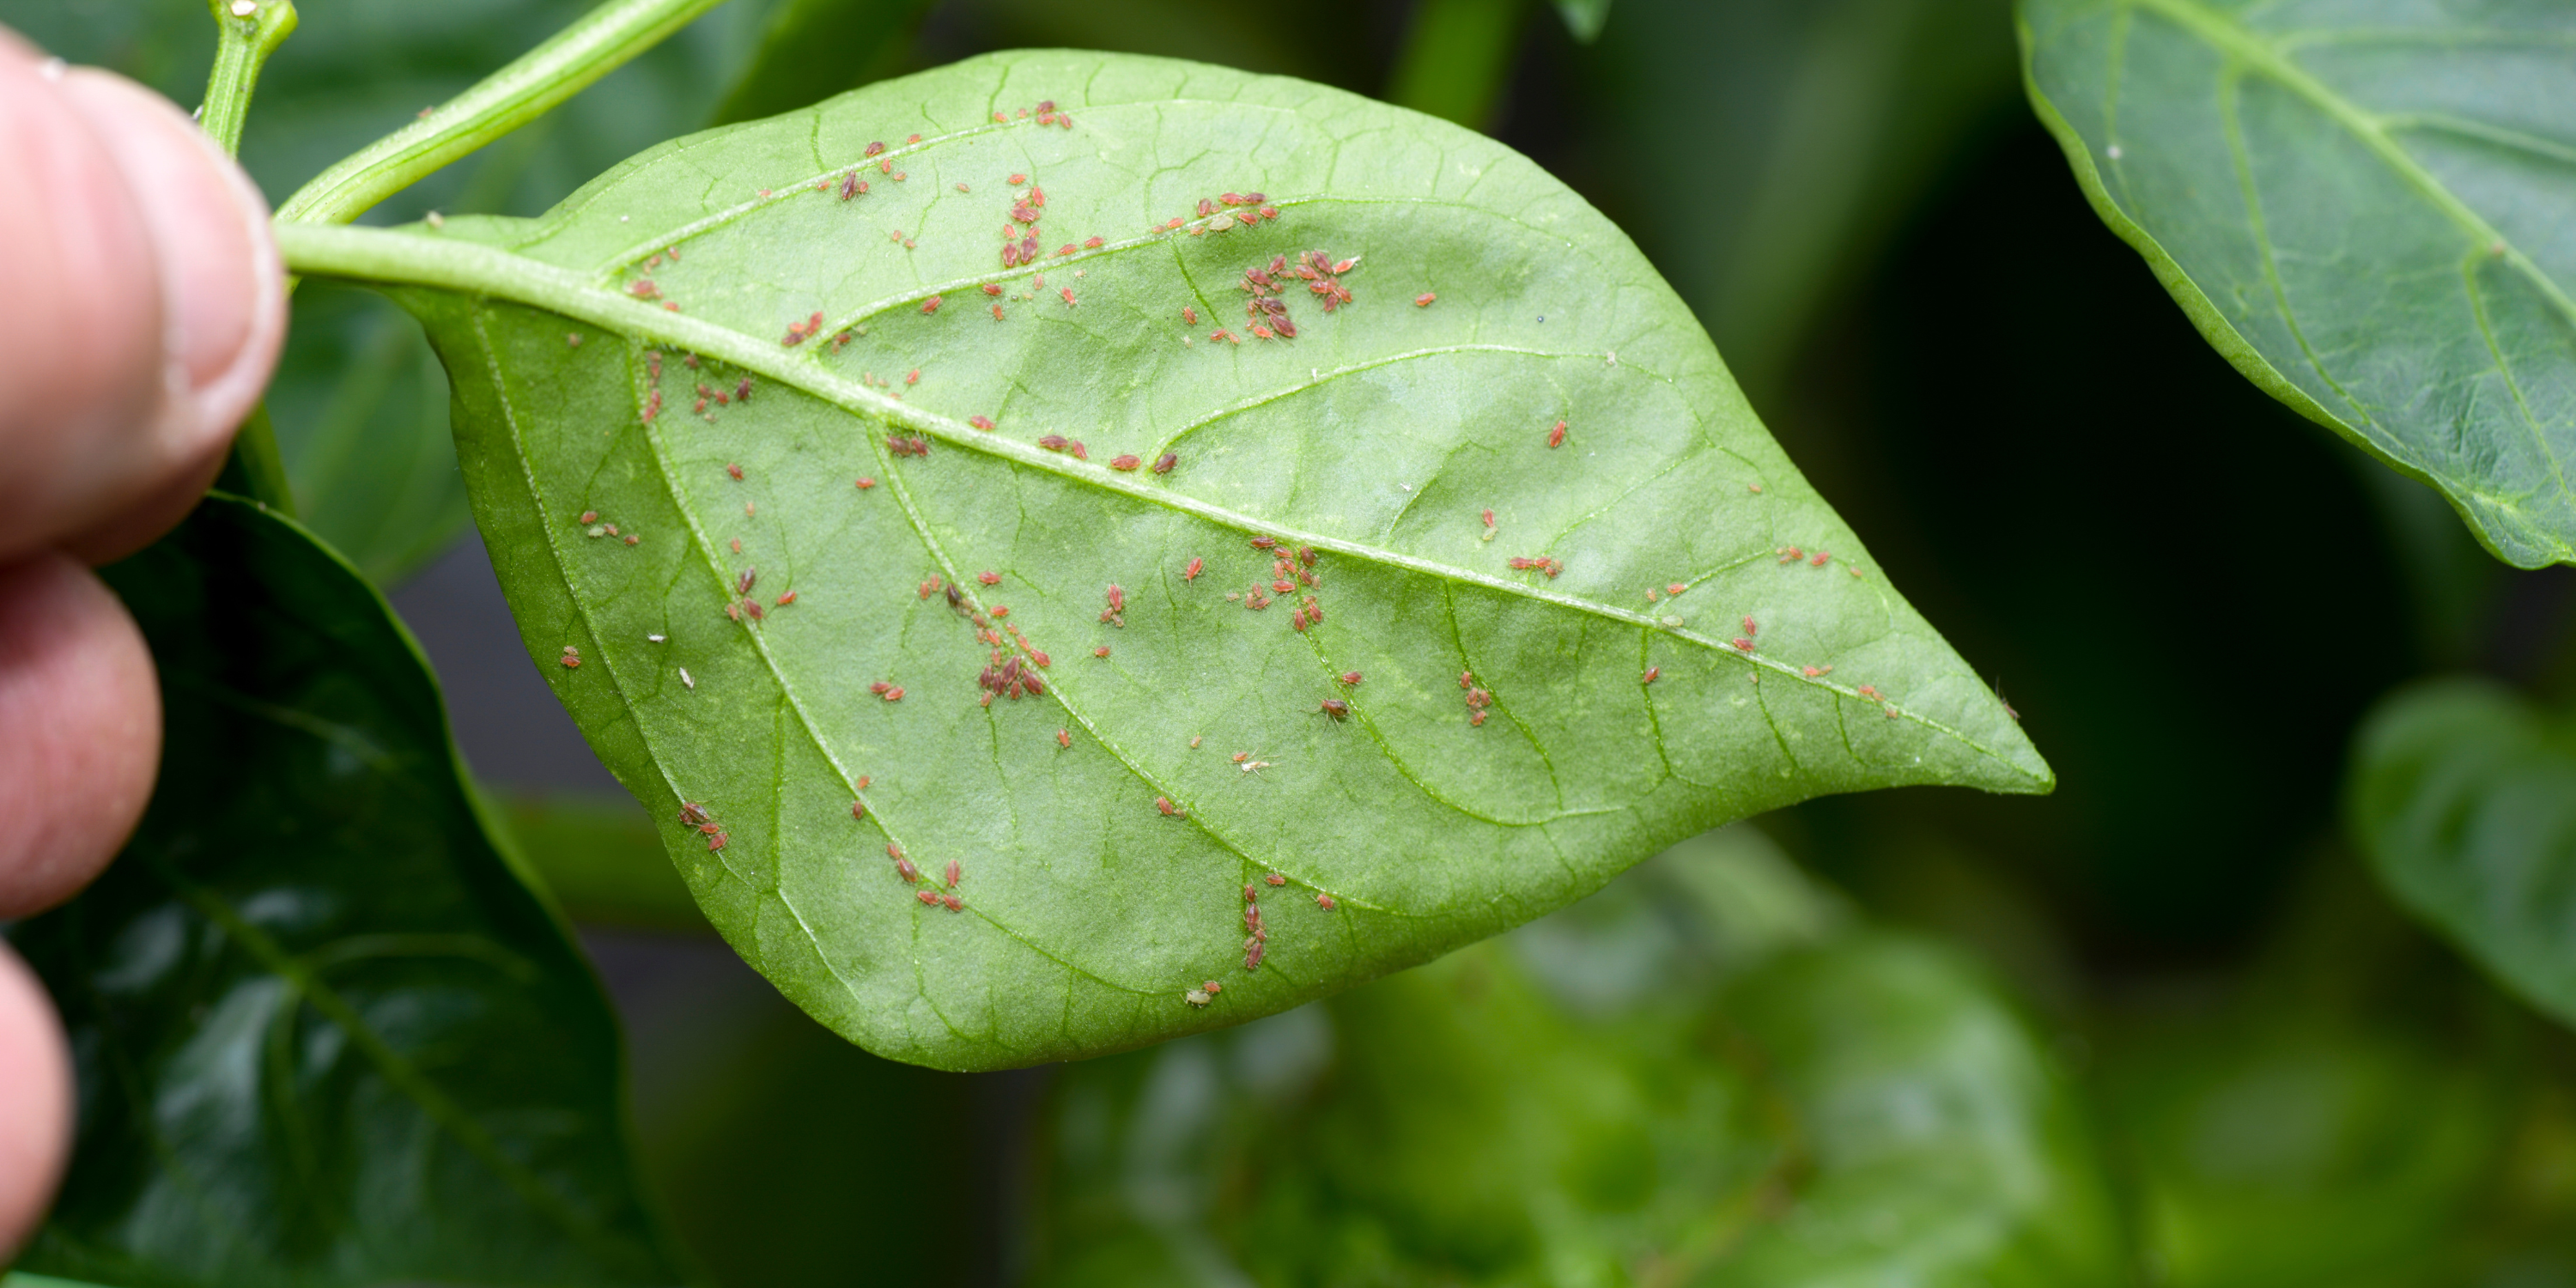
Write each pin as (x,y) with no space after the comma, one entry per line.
(1000,464)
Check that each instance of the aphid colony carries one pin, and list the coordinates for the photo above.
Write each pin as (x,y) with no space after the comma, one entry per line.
(1266,311)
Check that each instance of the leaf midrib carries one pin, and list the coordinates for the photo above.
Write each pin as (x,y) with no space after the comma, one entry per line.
(391,257)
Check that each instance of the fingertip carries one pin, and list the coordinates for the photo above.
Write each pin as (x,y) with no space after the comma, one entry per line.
(82,708)
(36,1112)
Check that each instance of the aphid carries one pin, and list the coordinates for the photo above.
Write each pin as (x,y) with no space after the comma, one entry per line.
(1819,560)
(742,581)
(642,288)
(1125,463)
(1102,651)
(1052,442)
(894,694)
(865,484)
(590,516)
(1336,708)
(850,185)
(1791,554)
(1252,954)
(910,874)
(1742,645)
(954,874)
(1068,295)
(1325,902)
(572,339)
(1260,333)
(1189,315)
(1423,301)
(1811,672)
(1018,179)
(1675,588)
(929,898)
(930,305)
(1191,573)
(1074,450)
(1652,673)
(1346,265)
(1226,336)
(734,470)
(980,422)
(693,813)
(858,809)
(717,842)
(954,903)
(956,600)
(1117,598)
(1869,691)
(1556,436)
(1064,737)
(1265,543)
(873,149)
(1163,464)
(997,312)
(571,658)
(1169,810)
(1195,997)
(1749,627)
(1038,655)
(961,187)
(1476,717)
(1276,879)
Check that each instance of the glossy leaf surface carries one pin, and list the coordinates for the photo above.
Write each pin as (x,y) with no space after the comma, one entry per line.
(2364,205)
(325,1034)
(1502,752)
(1699,1076)
(2465,800)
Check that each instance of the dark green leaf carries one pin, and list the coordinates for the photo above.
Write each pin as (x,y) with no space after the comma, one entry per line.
(325,1034)
(1766,1101)
(2465,800)
(1377,437)
(2364,205)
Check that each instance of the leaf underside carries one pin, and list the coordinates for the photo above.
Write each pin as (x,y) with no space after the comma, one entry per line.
(2465,800)
(1502,753)
(2363,204)
(324,1033)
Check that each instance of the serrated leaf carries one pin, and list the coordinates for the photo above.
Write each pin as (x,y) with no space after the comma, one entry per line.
(2364,205)
(1489,303)
(1854,1110)
(2465,800)
(325,1035)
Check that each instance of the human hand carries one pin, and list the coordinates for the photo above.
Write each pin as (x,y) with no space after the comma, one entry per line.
(144,312)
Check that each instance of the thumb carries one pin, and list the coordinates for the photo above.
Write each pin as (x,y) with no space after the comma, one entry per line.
(145,312)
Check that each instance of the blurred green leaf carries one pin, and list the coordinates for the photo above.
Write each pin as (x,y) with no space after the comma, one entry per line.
(1456,58)
(583,413)
(814,49)
(1763,151)
(2464,797)
(325,1034)
(2363,205)
(1772,1098)
(1584,18)
(602,860)
(2281,1151)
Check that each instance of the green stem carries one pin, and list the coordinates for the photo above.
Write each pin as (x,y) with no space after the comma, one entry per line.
(246,33)
(1455,58)
(567,63)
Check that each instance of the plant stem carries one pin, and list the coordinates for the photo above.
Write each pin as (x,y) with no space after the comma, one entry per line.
(1455,58)
(246,33)
(602,41)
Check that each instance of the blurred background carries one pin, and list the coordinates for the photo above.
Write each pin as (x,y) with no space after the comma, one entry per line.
(2191,596)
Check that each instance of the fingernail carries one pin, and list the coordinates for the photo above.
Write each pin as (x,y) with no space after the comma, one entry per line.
(220,280)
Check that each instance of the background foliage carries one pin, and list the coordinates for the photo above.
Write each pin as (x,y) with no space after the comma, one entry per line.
(2192,596)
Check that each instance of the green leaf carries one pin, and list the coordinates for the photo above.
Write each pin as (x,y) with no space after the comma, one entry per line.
(2363,204)
(2465,800)
(325,1034)
(1376,438)
(1834,1107)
